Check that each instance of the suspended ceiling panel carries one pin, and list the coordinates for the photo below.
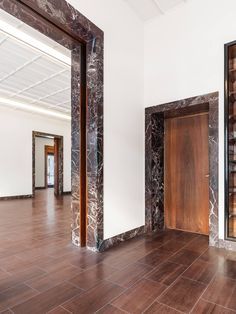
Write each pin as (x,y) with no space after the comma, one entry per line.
(148,9)
(30,76)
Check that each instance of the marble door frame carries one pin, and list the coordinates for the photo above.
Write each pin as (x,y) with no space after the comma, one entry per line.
(154,161)
(61,22)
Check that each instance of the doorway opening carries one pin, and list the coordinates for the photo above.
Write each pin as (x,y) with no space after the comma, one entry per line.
(61,23)
(47,168)
(162,177)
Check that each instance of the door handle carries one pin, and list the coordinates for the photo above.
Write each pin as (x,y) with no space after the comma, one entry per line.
(207,176)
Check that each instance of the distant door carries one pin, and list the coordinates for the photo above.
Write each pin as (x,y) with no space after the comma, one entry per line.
(187,173)
(49,166)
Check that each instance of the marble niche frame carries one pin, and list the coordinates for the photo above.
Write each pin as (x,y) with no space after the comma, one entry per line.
(61,22)
(154,162)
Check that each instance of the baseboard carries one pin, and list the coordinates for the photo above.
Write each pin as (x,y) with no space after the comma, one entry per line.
(108,243)
(67,193)
(40,188)
(15,197)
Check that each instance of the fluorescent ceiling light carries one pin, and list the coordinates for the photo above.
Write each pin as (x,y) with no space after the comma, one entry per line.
(34,43)
(18,105)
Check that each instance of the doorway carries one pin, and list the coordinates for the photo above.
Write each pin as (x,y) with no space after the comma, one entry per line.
(49,166)
(53,161)
(60,22)
(186,172)
(155,184)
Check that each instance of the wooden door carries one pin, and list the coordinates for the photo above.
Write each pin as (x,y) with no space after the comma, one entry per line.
(187,173)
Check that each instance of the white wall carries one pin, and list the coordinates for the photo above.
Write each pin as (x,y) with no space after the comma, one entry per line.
(184,57)
(16,149)
(40,144)
(123,113)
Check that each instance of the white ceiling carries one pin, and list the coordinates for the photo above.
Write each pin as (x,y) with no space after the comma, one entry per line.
(148,9)
(31,77)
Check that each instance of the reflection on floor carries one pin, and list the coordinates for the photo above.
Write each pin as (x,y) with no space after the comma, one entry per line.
(169,272)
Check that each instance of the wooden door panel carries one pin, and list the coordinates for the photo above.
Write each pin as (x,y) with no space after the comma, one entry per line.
(187,173)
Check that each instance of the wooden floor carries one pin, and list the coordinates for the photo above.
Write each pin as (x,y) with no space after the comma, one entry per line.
(41,272)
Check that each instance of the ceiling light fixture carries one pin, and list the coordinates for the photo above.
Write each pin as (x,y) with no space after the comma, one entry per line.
(18,105)
(33,43)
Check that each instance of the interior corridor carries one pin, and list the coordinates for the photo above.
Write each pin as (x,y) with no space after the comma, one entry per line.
(169,272)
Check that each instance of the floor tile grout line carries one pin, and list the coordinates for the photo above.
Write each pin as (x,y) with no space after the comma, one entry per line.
(35,296)
(18,303)
(213,278)
(62,304)
(171,307)
(144,276)
(61,307)
(113,306)
(227,308)
(156,300)
(173,283)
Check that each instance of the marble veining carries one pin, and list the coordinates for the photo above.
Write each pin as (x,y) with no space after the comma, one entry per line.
(154,169)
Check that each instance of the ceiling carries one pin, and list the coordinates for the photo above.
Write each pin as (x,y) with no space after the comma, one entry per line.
(30,76)
(148,9)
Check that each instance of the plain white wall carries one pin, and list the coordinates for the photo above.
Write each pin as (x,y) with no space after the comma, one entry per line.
(123,113)
(16,149)
(40,144)
(184,57)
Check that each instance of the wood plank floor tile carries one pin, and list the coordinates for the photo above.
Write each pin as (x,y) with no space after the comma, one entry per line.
(167,273)
(214,256)
(173,246)
(47,300)
(4,274)
(19,278)
(58,310)
(187,237)
(94,299)
(52,279)
(222,291)
(183,295)
(204,307)
(15,295)
(129,275)
(199,245)
(91,277)
(228,268)
(154,259)
(7,312)
(184,257)
(36,254)
(201,271)
(110,309)
(137,298)
(157,308)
